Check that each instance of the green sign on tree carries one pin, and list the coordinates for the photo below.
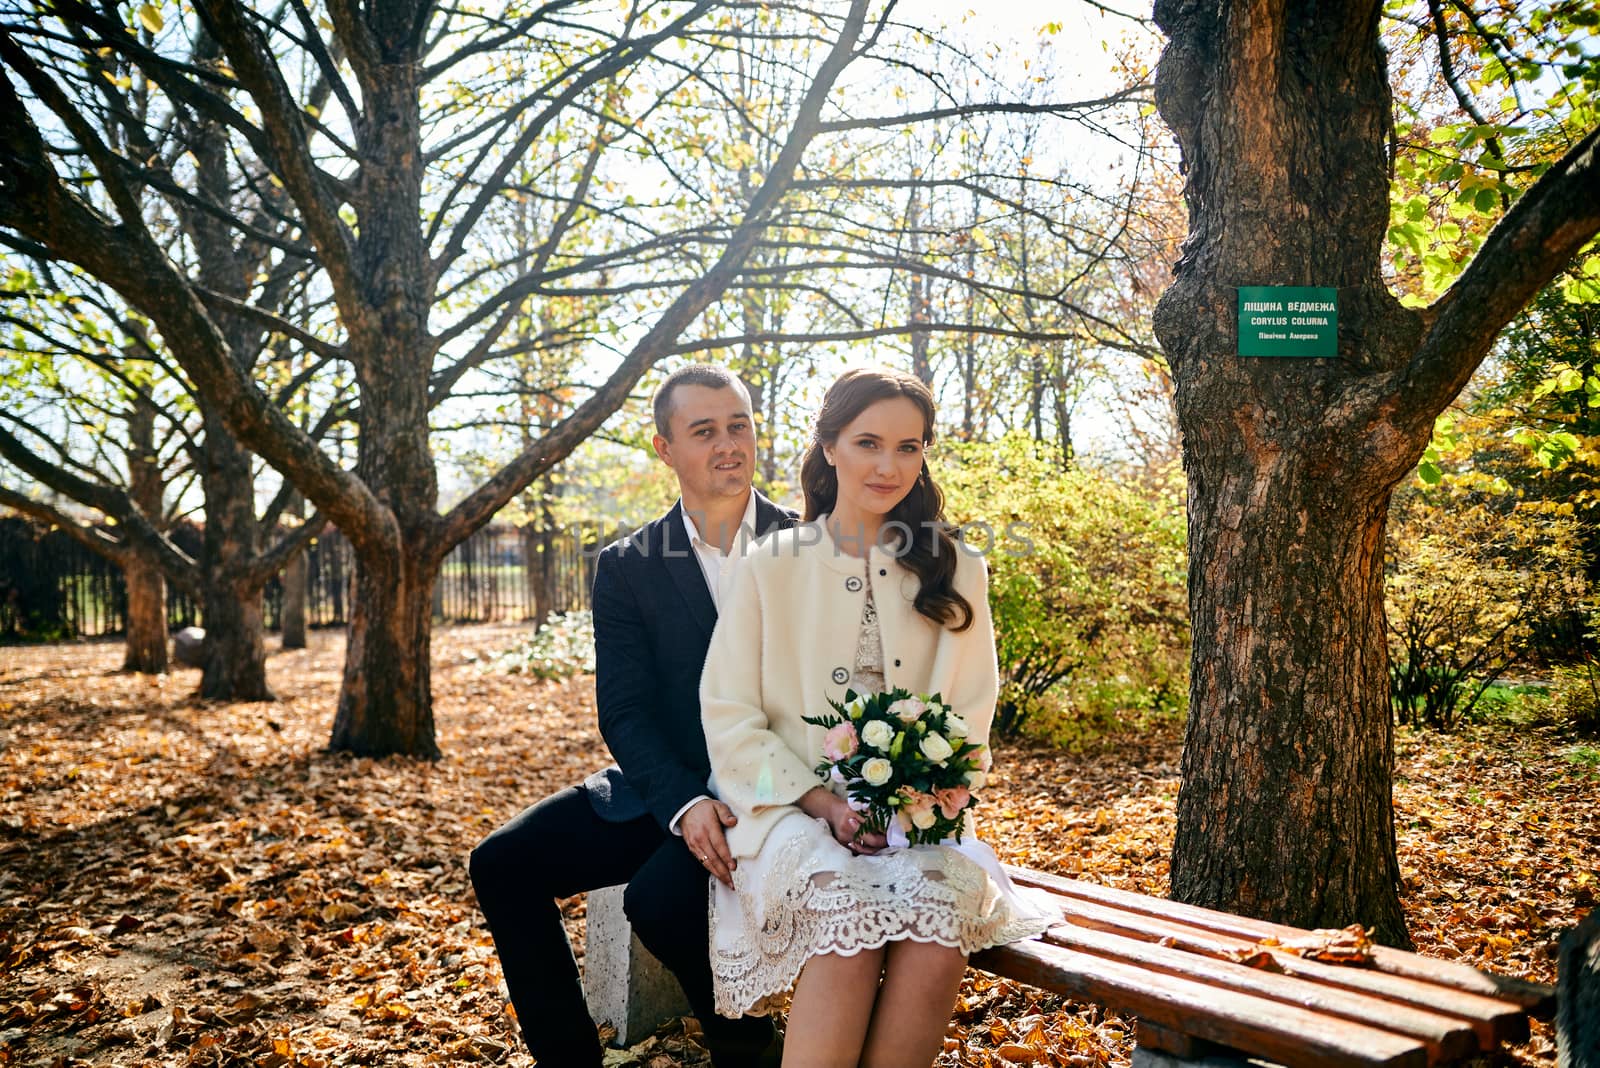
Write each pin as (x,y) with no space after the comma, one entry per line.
(1288,321)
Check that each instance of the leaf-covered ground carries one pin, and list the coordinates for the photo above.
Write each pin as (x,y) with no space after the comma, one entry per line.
(188,883)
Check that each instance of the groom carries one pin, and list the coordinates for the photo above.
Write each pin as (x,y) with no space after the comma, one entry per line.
(648,822)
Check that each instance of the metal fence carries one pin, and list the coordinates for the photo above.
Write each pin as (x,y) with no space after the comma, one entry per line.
(53,588)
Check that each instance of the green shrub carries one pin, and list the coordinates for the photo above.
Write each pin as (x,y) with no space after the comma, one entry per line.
(562,647)
(1575,697)
(1464,585)
(1086,580)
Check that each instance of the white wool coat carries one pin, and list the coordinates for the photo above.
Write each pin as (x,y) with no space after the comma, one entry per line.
(785,642)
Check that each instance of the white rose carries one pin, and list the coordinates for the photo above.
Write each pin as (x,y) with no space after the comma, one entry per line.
(975,779)
(908,709)
(877,771)
(935,748)
(877,734)
(956,727)
(923,818)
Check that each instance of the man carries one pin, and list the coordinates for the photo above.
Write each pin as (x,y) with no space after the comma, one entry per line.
(649,822)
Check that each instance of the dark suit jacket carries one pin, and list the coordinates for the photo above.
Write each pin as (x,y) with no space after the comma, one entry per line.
(652,623)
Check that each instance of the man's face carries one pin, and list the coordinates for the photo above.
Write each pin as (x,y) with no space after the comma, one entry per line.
(713,444)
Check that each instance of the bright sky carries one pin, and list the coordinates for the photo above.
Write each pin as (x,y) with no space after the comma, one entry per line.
(1084,45)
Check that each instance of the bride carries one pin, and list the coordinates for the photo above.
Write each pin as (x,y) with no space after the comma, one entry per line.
(871,593)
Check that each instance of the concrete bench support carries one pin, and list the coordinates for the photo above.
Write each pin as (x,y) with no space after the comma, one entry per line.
(1159,1047)
(1578,997)
(624,985)
(1153,1058)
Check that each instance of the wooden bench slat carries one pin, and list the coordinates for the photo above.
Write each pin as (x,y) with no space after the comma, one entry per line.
(1494,1020)
(1536,999)
(1446,1037)
(1285,1033)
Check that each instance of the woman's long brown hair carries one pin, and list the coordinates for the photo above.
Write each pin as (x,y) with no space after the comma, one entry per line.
(931,552)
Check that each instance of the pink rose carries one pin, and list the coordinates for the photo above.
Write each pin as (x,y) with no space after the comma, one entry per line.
(908,709)
(952,799)
(985,761)
(840,743)
(916,808)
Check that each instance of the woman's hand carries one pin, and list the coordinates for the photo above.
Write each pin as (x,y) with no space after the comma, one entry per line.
(845,822)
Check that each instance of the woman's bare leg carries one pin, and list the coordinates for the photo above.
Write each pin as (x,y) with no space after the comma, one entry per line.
(831,1009)
(912,1014)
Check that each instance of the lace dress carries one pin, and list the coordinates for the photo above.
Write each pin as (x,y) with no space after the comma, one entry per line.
(805,894)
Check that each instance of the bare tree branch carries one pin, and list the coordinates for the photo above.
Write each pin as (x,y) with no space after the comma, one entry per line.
(275,324)
(265,565)
(96,539)
(34,202)
(312,191)
(477,508)
(1136,94)
(138,529)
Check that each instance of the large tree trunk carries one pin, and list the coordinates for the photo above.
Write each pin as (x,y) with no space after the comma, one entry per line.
(385,703)
(1285,809)
(146,648)
(236,654)
(292,616)
(147,587)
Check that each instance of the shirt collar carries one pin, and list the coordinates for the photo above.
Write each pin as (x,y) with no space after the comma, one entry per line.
(747,525)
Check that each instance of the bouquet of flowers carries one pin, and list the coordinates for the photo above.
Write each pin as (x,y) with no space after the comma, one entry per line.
(905,763)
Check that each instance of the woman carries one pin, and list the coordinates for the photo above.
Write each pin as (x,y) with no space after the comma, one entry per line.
(870,594)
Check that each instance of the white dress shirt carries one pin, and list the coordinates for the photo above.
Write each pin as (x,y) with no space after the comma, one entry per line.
(718,568)
(715,565)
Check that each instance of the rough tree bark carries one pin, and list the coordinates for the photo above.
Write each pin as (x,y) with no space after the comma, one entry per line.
(146,648)
(236,651)
(391,623)
(292,615)
(1282,111)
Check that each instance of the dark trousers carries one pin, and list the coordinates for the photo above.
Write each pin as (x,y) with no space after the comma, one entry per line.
(561,847)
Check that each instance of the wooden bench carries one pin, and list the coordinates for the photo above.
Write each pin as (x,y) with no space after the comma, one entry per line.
(1206,983)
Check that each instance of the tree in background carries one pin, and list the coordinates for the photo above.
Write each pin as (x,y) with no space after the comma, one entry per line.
(382,142)
(85,381)
(102,431)
(1284,116)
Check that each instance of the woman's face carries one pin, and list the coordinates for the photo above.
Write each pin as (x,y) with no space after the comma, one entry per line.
(878,456)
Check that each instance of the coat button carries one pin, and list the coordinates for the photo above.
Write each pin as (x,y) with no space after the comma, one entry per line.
(852,584)
(841,676)
(883,571)
(897,663)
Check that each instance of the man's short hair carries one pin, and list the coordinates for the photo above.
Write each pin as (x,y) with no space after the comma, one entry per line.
(696,374)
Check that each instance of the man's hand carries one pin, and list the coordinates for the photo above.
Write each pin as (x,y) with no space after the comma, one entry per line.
(702,828)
